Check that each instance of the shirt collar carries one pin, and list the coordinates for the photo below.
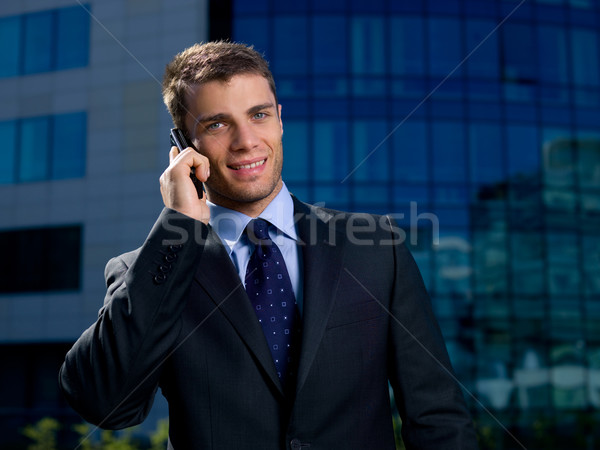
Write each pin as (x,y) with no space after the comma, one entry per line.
(230,224)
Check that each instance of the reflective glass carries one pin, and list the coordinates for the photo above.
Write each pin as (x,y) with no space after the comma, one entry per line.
(527,263)
(252,31)
(35,141)
(552,51)
(8,151)
(448,150)
(72,37)
(445,52)
(523,152)
(10,46)
(409,152)
(329,52)
(38,42)
(518,46)
(482,45)
(331,146)
(296,151)
(584,54)
(558,156)
(368,54)
(69,145)
(487,164)
(370,150)
(407,46)
(291,46)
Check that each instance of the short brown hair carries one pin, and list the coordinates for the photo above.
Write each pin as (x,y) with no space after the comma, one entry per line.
(202,63)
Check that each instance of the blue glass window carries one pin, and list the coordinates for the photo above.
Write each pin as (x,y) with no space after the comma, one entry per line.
(410,152)
(8,151)
(448,149)
(518,47)
(72,34)
(584,51)
(252,31)
(552,50)
(69,143)
(38,43)
(35,149)
(370,143)
(290,55)
(295,149)
(329,45)
(444,46)
(487,165)
(368,46)
(523,151)
(331,150)
(407,46)
(10,46)
(483,42)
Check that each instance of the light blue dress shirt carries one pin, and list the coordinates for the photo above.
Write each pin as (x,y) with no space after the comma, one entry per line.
(230,225)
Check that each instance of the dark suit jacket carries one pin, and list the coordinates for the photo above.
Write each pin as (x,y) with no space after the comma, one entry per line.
(176,316)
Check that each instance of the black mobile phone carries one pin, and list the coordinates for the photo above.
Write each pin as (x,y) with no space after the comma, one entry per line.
(178,139)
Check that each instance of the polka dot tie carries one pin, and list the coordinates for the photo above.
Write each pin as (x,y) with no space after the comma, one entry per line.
(270,290)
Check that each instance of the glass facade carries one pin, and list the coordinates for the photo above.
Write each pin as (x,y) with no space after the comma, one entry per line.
(43,148)
(476,124)
(44,41)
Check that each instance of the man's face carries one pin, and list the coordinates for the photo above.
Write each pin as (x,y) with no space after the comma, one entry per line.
(237,126)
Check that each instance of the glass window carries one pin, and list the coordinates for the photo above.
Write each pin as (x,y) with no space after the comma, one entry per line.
(453,271)
(38,46)
(487,165)
(296,150)
(552,51)
(8,151)
(329,52)
(448,150)
(72,35)
(584,53)
(331,150)
(410,152)
(564,277)
(291,46)
(527,265)
(368,47)
(523,152)
(252,31)
(370,150)
(444,46)
(518,46)
(558,155)
(10,46)
(483,62)
(69,144)
(489,266)
(407,46)
(35,141)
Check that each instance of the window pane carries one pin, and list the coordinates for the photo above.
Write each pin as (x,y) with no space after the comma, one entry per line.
(330,147)
(368,55)
(69,146)
(487,165)
(370,148)
(329,45)
(483,62)
(553,55)
(407,46)
(10,46)
(295,148)
(291,34)
(523,150)
(584,48)
(72,31)
(38,42)
(410,152)
(33,164)
(449,159)
(252,32)
(444,46)
(518,47)
(8,151)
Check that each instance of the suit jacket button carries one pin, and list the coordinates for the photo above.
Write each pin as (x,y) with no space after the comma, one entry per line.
(165,268)
(160,278)
(170,257)
(175,248)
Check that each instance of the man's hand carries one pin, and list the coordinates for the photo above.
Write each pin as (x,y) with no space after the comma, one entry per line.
(177,188)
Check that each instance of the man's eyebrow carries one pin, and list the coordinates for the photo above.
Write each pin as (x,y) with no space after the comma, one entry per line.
(259,108)
(214,118)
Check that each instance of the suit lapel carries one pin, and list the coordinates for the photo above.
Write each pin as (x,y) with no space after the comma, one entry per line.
(322,257)
(231,299)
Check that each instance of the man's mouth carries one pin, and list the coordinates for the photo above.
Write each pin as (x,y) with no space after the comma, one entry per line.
(249,166)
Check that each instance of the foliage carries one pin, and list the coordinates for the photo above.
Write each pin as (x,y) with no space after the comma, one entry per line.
(43,434)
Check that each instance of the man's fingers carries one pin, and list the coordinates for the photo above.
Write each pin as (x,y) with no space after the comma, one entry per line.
(173,153)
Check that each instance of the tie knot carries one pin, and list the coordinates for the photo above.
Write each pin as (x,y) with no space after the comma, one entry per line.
(259,231)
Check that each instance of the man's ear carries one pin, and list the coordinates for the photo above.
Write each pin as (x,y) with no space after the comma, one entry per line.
(280,122)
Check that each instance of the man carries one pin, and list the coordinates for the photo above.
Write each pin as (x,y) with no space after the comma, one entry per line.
(182,312)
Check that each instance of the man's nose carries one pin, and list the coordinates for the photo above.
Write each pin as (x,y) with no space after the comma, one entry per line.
(245,137)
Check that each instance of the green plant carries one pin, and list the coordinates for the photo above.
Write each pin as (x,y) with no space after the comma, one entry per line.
(42,433)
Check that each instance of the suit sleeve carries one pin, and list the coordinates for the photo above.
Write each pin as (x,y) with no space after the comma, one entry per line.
(429,399)
(111,374)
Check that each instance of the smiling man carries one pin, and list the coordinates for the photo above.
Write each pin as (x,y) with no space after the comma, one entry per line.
(266,322)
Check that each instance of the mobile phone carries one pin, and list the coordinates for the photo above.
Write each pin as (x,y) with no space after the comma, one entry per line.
(178,139)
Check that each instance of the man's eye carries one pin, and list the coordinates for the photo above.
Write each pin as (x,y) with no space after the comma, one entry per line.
(214,126)
(260,115)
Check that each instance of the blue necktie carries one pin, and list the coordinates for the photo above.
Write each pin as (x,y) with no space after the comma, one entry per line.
(270,290)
